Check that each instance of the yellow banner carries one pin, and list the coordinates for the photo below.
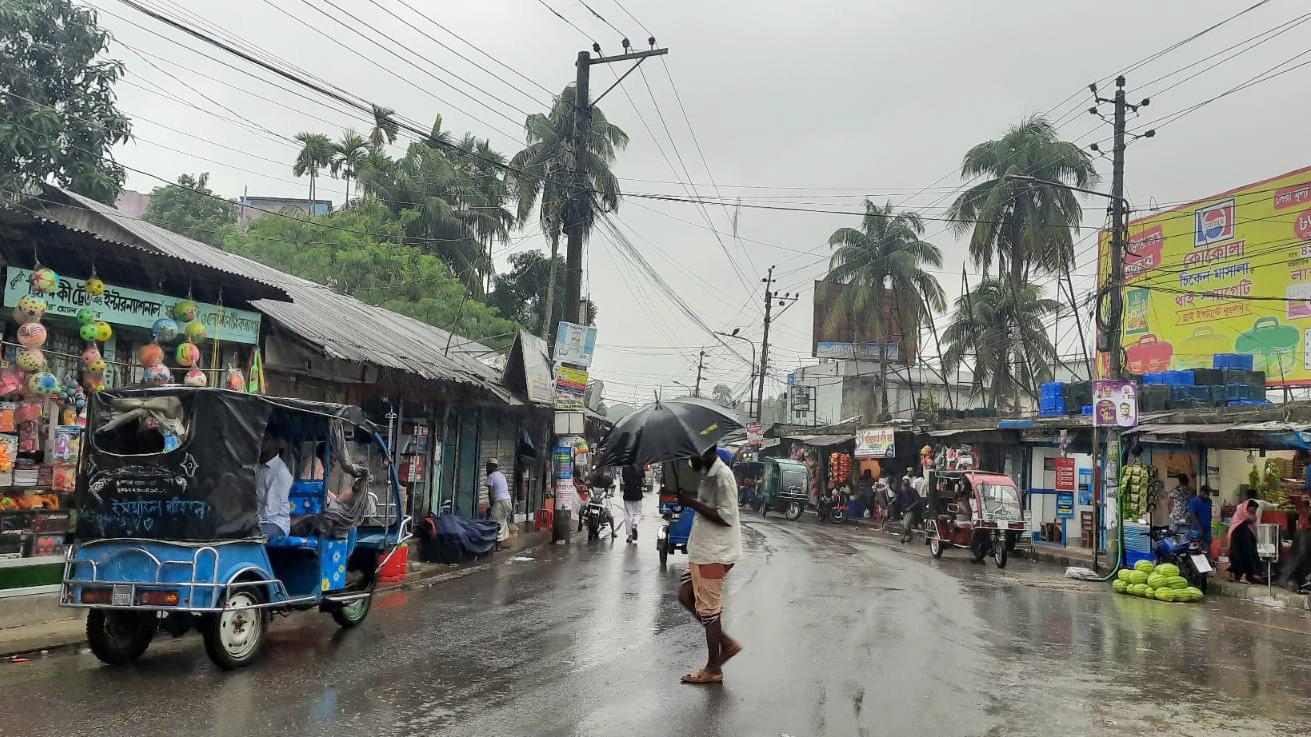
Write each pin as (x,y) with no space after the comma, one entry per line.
(1228,274)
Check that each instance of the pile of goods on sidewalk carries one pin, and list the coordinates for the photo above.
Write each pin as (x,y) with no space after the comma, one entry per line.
(1138,490)
(1151,581)
(839,465)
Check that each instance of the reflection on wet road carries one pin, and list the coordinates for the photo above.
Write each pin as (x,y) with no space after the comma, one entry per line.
(843,637)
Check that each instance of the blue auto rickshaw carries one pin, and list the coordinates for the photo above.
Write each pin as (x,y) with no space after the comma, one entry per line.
(168,530)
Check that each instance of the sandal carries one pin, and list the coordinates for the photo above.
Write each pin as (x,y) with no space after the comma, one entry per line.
(727,655)
(700,676)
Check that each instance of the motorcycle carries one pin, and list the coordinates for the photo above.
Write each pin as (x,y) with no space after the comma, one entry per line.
(1185,551)
(832,507)
(597,513)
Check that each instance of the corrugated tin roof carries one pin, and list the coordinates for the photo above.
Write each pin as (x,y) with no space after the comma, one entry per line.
(342,326)
(823,441)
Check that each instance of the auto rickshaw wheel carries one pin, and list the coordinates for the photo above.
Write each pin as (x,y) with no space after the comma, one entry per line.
(663,547)
(794,511)
(119,637)
(979,547)
(935,547)
(999,552)
(352,613)
(233,637)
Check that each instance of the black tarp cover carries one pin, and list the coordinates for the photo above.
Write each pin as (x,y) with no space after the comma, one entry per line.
(205,488)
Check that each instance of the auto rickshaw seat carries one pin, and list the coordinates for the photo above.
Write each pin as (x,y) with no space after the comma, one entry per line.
(293,541)
(306,497)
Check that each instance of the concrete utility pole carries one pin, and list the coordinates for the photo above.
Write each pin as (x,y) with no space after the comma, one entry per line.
(700,363)
(581,197)
(784,299)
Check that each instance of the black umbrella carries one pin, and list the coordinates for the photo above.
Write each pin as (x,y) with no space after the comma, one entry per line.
(666,431)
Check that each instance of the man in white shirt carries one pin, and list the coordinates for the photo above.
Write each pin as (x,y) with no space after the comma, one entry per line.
(714,546)
(498,491)
(273,489)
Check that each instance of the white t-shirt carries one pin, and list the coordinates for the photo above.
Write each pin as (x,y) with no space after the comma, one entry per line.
(500,490)
(711,542)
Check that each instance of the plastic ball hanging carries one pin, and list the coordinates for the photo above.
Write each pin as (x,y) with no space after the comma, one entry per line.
(44,281)
(32,335)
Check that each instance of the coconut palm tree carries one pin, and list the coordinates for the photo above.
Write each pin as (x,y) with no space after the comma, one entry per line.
(1000,329)
(315,155)
(385,127)
(723,394)
(884,262)
(1019,225)
(546,165)
(351,153)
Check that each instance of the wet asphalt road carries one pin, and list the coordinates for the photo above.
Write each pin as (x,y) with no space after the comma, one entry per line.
(843,635)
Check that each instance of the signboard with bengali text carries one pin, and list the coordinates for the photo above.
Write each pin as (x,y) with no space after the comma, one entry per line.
(1227,274)
(875,442)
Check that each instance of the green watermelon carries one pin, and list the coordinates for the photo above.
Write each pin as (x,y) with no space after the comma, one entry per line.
(1155,580)
(1146,566)
(1194,593)
(1165,594)
(1168,569)
(1138,577)
(1139,589)
(1176,582)
(1119,586)
(1123,574)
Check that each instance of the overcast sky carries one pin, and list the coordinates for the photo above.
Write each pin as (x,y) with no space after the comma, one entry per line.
(818,103)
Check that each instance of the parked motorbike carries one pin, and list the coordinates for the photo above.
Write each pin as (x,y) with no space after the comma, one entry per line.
(1185,551)
(597,513)
(832,506)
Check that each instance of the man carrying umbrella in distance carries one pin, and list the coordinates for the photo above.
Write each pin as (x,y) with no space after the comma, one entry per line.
(689,428)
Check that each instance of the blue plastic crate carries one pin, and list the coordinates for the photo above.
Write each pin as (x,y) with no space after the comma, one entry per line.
(1086,409)
(1244,391)
(1183,392)
(1156,377)
(1239,361)
(1133,556)
(1246,402)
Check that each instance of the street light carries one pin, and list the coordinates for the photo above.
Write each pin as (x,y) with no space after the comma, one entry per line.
(734,334)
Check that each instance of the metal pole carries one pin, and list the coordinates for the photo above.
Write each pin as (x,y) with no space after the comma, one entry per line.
(764,346)
(700,363)
(580,197)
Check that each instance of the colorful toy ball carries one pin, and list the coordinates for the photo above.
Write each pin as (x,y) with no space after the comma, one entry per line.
(89,332)
(97,366)
(195,377)
(85,316)
(159,374)
(43,384)
(103,331)
(196,332)
(185,311)
(32,334)
(188,354)
(165,330)
(31,308)
(235,380)
(150,354)
(31,360)
(90,355)
(95,286)
(94,382)
(44,281)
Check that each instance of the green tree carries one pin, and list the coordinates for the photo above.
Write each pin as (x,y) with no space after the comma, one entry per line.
(882,262)
(315,155)
(58,121)
(521,293)
(190,208)
(1021,225)
(1000,328)
(723,394)
(385,127)
(350,156)
(547,164)
(378,268)
(451,198)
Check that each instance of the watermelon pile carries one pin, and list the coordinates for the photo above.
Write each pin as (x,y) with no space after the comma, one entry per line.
(1151,581)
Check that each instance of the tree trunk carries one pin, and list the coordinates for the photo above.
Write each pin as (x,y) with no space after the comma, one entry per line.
(311,210)
(548,309)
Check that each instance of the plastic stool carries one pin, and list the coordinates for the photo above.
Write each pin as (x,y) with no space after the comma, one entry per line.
(544,520)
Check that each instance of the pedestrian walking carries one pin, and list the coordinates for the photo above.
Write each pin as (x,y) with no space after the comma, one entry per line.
(1199,517)
(634,482)
(1179,498)
(909,504)
(498,491)
(714,546)
(1243,558)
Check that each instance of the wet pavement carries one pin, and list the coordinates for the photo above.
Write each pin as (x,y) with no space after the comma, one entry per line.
(845,634)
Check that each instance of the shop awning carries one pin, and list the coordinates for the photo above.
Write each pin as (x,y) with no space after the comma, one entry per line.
(823,441)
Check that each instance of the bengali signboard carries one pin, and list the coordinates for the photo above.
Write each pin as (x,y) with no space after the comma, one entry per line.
(1065,474)
(755,436)
(1228,274)
(1064,504)
(875,442)
(123,306)
(570,387)
(575,344)
(1115,403)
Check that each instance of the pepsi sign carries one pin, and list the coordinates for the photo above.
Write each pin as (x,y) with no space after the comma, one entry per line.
(1215,223)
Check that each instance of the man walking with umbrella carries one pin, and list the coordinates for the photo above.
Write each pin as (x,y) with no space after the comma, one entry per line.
(714,547)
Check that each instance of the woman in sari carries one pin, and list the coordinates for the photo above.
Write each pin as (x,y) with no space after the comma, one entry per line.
(1243,560)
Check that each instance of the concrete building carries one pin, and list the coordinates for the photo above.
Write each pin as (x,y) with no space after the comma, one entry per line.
(255,207)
